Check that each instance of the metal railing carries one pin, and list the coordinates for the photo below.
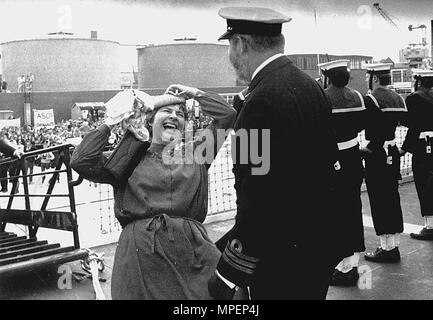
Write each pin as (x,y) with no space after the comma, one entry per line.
(27,252)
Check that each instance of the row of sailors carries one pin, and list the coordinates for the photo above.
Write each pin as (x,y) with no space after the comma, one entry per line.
(379,112)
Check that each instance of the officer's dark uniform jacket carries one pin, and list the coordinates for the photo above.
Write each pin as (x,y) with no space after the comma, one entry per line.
(383,165)
(349,116)
(288,208)
(419,142)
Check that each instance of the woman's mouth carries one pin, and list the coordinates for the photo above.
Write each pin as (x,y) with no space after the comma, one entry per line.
(169,125)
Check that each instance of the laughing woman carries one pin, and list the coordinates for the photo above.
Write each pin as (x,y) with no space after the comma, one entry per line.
(164,251)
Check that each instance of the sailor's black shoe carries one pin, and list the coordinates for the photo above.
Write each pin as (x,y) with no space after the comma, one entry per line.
(424,234)
(380,255)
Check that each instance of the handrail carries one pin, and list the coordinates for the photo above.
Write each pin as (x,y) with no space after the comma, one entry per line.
(27,215)
(36,152)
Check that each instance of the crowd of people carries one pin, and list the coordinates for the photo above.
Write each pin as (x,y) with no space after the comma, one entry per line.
(29,138)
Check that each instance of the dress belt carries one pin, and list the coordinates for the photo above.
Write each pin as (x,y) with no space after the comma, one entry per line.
(426,134)
(347,144)
(157,222)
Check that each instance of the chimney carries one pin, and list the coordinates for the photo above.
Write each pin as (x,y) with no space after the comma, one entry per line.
(93,34)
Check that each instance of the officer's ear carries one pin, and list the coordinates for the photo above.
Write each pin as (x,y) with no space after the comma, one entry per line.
(375,79)
(240,43)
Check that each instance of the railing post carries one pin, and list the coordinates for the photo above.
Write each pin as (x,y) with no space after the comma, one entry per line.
(67,159)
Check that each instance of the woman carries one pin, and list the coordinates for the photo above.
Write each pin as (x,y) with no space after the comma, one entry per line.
(163,251)
(419,142)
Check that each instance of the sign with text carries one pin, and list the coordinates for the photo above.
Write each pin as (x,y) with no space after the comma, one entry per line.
(44,117)
(10,123)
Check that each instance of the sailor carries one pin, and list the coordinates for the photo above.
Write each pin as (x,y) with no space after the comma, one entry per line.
(382,163)
(419,142)
(349,115)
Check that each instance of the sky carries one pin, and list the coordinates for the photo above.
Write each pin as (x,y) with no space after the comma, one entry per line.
(332,26)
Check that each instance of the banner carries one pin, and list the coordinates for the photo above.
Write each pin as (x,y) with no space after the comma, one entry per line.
(44,117)
(10,123)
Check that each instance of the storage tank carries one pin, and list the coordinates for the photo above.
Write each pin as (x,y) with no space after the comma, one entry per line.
(191,63)
(63,64)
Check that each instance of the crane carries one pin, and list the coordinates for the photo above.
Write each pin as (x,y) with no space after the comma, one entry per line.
(421,26)
(385,15)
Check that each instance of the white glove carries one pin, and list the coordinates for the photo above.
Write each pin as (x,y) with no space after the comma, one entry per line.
(182,91)
(120,107)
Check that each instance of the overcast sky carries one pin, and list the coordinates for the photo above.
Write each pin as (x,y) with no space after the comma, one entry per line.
(341,26)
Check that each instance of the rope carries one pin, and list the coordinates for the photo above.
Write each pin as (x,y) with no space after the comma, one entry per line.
(94,263)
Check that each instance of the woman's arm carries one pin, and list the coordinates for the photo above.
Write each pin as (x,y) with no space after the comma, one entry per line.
(223,118)
(88,158)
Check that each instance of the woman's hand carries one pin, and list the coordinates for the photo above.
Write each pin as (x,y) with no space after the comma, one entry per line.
(182,91)
(144,101)
(141,133)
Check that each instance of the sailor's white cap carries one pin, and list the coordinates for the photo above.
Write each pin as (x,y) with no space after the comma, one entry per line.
(327,66)
(378,67)
(422,73)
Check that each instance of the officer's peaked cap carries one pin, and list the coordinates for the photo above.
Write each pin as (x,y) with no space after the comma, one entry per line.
(252,20)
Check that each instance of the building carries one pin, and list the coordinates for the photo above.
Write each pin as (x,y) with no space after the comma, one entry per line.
(62,63)
(402,78)
(190,63)
(414,55)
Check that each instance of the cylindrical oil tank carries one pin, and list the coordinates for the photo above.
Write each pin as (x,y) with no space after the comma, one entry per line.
(63,64)
(193,64)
